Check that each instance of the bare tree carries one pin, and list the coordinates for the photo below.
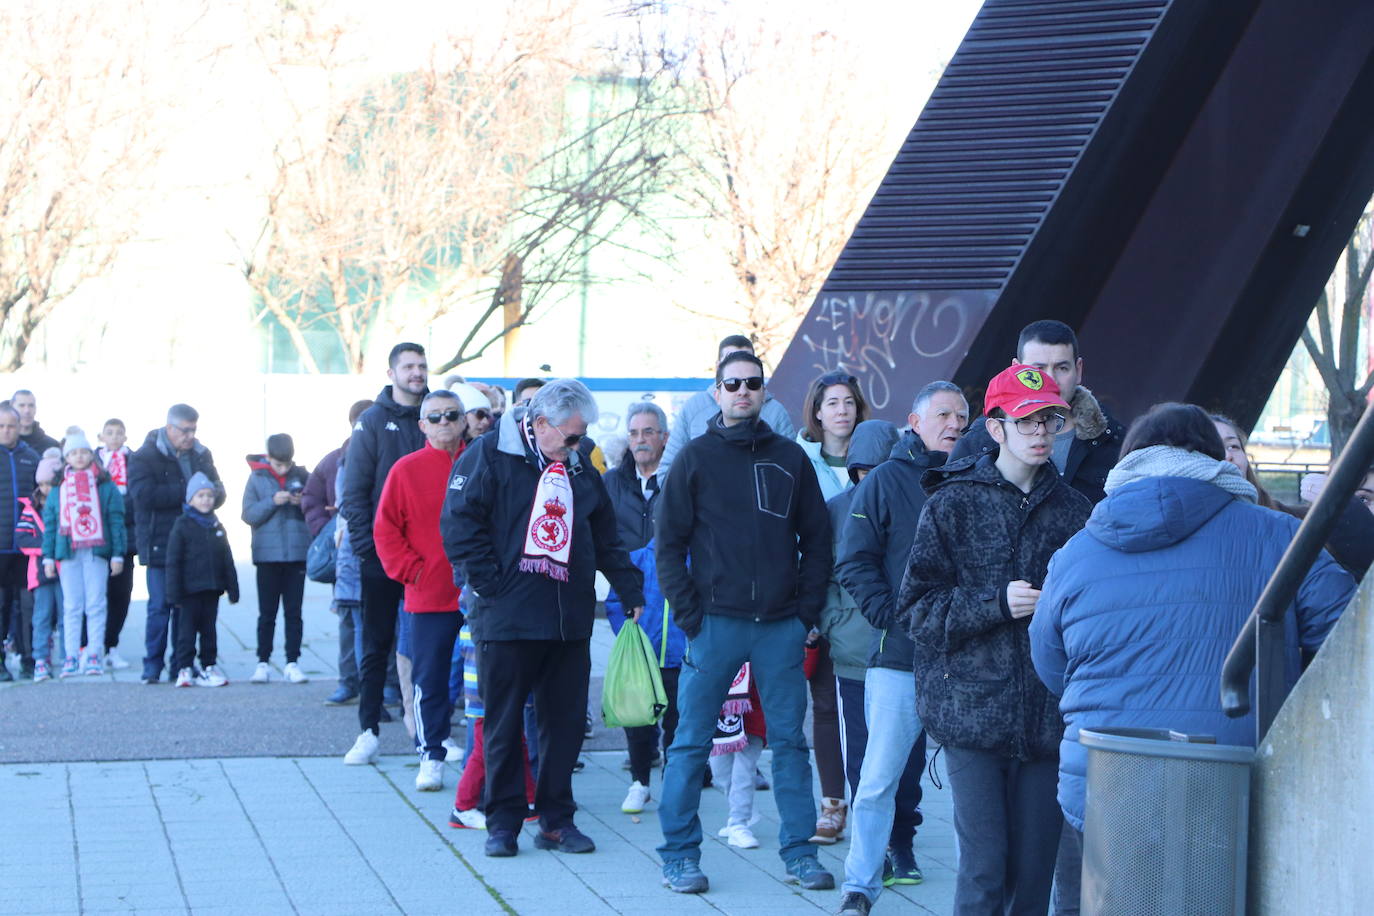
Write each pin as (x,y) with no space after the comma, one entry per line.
(1338,359)
(82,87)
(780,200)
(463,185)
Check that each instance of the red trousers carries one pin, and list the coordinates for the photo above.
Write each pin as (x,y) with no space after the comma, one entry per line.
(474,776)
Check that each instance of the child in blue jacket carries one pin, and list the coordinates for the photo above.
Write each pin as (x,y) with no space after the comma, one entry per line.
(669,642)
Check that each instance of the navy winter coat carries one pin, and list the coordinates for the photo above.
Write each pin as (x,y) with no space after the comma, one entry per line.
(1141,607)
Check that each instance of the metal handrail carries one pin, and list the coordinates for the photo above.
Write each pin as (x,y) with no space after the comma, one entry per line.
(1261,641)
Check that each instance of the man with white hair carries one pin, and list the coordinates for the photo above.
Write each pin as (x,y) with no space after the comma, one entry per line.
(526,524)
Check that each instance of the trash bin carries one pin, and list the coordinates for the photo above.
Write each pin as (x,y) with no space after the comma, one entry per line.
(1165,823)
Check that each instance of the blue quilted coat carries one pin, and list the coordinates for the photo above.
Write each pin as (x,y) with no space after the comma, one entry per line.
(1140,608)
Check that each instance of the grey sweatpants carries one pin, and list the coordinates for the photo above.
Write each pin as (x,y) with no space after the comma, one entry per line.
(84,578)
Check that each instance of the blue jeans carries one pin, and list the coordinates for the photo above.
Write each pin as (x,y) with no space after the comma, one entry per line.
(712,660)
(47,607)
(159,620)
(894,755)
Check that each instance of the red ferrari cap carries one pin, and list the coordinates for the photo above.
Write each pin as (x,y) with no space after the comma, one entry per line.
(1021,390)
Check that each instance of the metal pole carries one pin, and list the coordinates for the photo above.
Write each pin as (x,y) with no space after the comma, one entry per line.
(1264,644)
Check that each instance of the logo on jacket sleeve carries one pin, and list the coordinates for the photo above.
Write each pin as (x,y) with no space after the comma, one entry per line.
(391,425)
(457,482)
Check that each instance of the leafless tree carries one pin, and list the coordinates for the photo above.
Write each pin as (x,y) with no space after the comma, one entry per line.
(1343,307)
(785,160)
(83,90)
(466,185)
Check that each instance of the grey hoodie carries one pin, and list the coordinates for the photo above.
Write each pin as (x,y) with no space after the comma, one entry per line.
(851,637)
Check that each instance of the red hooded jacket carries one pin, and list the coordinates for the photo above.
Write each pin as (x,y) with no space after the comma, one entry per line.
(406,529)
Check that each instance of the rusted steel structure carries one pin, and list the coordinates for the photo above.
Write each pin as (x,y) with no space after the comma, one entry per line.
(1173,178)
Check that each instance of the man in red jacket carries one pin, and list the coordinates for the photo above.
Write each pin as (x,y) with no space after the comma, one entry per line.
(406,531)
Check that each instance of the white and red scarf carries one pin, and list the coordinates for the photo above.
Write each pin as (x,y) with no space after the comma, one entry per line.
(548,537)
(730,736)
(78,514)
(117,466)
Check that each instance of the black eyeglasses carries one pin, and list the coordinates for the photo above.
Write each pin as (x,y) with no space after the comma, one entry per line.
(451,415)
(753,383)
(1026,426)
(572,440)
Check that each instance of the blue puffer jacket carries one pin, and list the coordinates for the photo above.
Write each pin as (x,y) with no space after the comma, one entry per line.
(1140,608)
(348,581)
(654,605)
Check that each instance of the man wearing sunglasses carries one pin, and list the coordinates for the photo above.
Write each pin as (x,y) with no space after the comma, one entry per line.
(386,432)
(526,523)
(691,420)
(745,504)
(408,542)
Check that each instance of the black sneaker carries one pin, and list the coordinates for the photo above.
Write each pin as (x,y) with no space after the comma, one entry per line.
(564,839)
(902,862)
(854,904)
(809,873)
(501,844)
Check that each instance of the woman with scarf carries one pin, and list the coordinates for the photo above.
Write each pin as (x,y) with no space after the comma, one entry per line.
(85,534)
(1140,608)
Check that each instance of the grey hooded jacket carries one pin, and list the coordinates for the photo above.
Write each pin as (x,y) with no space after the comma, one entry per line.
(842,622)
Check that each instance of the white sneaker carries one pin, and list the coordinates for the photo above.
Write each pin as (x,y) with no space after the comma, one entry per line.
(364,750)
(471,819)
(114,662)
(636,798)
(740,836)
(184,678)
(455,753)
(261,674)
(212,677)
(294,674)
(431,775)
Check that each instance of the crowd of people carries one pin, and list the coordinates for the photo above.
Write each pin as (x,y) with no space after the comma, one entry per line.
(988,587)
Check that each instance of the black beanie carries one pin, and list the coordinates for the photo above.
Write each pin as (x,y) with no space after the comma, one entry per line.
(280,447)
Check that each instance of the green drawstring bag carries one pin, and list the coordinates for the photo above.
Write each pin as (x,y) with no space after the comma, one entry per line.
(633,693)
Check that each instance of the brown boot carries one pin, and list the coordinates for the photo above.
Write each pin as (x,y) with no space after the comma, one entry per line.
(830,825)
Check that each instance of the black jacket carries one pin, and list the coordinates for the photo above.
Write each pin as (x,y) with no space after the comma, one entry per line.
(199,560)
(875,546)
(1093,452)
(157,488)
(17,467)
(38,440)
(384,433)
(976,686)
(485,516)
(634,515)
(745,503)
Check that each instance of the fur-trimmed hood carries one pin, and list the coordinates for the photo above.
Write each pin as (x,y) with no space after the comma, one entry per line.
(1088,418)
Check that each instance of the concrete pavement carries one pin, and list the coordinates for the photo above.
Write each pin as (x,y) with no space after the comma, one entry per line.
(132,799)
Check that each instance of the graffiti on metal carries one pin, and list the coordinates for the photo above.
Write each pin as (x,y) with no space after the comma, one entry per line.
(882,338)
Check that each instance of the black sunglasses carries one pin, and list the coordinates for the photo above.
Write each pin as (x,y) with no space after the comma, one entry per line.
(481,413)
(753,383)
(570,441)
(837,377)
(451,415)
